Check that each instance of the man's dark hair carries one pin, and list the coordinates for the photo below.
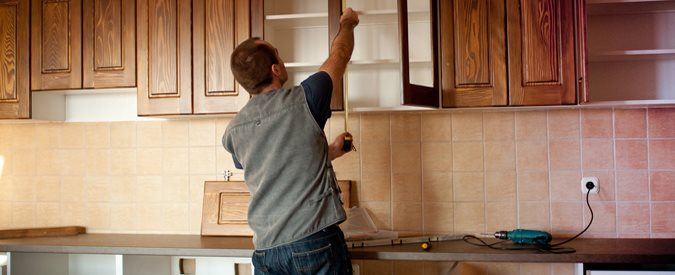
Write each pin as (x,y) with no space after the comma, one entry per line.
(251,64)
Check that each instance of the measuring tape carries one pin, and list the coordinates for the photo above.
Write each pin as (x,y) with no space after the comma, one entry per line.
(348,144)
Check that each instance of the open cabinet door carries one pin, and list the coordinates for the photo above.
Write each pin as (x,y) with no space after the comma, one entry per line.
(419,51)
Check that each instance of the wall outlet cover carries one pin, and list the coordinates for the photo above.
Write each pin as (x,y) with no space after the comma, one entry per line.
(594,180)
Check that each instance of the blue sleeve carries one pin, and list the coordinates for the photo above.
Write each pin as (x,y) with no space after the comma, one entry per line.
(236,163)
(318,91)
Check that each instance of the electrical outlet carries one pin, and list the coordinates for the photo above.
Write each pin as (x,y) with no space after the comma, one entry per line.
(594,180)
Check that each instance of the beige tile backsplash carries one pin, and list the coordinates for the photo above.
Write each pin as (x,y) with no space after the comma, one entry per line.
(419,172)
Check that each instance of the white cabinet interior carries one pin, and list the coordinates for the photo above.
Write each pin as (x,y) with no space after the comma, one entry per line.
(631,50)
(299,29)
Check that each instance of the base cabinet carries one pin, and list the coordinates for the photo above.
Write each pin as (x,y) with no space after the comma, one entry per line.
(95,264)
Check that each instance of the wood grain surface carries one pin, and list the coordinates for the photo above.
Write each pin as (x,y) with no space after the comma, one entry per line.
(164,57)
(225,208)
(56,47)
(218,27)
(473,53)
(8,44)
(541,52)
(14,58)
(109,44)
(42,232)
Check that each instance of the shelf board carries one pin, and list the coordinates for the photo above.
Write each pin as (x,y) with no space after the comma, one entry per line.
(296,16)
(621,1)
(610,7)
(627,55)
(353,62)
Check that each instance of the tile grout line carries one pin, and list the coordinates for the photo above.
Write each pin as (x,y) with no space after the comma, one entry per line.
(515,146)
(581,155)
(649,171)
(616,187)
(482,127)
(421,166)
(548,155)
(452,173)
(391,174)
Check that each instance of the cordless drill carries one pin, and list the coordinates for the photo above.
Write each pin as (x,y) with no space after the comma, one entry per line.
(525,236)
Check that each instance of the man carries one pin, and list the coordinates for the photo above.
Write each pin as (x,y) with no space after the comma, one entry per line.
(278,139)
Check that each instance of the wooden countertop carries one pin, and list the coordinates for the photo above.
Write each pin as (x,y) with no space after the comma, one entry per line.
(652,251)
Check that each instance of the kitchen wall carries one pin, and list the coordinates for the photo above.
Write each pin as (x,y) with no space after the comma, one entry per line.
(430,172)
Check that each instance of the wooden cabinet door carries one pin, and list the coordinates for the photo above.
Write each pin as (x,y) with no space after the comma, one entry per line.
(473,53)
(164,59)
(541,52)
(14,67)
(56,40)
(420,83)
(109,43)
(218,27)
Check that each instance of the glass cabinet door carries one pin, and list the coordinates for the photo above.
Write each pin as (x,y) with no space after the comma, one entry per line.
(419,48)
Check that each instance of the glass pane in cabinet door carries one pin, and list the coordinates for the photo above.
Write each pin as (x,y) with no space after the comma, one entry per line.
(420,43)
(373,76)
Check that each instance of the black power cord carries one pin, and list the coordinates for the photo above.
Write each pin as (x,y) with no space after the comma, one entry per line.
(547,248)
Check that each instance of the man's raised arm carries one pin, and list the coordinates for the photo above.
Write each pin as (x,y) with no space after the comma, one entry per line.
(342,47)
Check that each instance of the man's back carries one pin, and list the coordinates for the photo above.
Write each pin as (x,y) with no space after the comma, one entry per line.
(284,154)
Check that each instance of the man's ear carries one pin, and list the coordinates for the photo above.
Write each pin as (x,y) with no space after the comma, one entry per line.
(276,70)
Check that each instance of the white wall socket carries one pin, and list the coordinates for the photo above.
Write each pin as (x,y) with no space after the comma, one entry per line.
(594,180)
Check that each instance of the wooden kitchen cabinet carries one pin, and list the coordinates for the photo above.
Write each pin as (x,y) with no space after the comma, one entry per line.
(183,55)
(14,66)
(630,50)
(302,31)
(419,52)
(529,60)
(56,44)
(83,44)
(473,53)
(541,52)
(108,43)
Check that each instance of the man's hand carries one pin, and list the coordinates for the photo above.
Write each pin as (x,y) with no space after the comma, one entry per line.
(335,148)
(349,18)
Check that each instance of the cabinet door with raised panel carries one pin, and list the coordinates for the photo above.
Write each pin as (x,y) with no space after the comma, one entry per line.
(14,67)
(541,52)
(164,59)
(218,27)
(56,52)
(473,53)
(109,43)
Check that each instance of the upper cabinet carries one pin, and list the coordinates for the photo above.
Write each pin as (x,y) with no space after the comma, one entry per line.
(218,26)
(86,44)
(529,60)
(473,53)
(56,44)
(541,52)
(183,55)
(108,43)
(302,31)
(14,67)
(630,50)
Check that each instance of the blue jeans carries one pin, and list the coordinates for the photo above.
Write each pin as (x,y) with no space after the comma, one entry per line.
(324,252)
